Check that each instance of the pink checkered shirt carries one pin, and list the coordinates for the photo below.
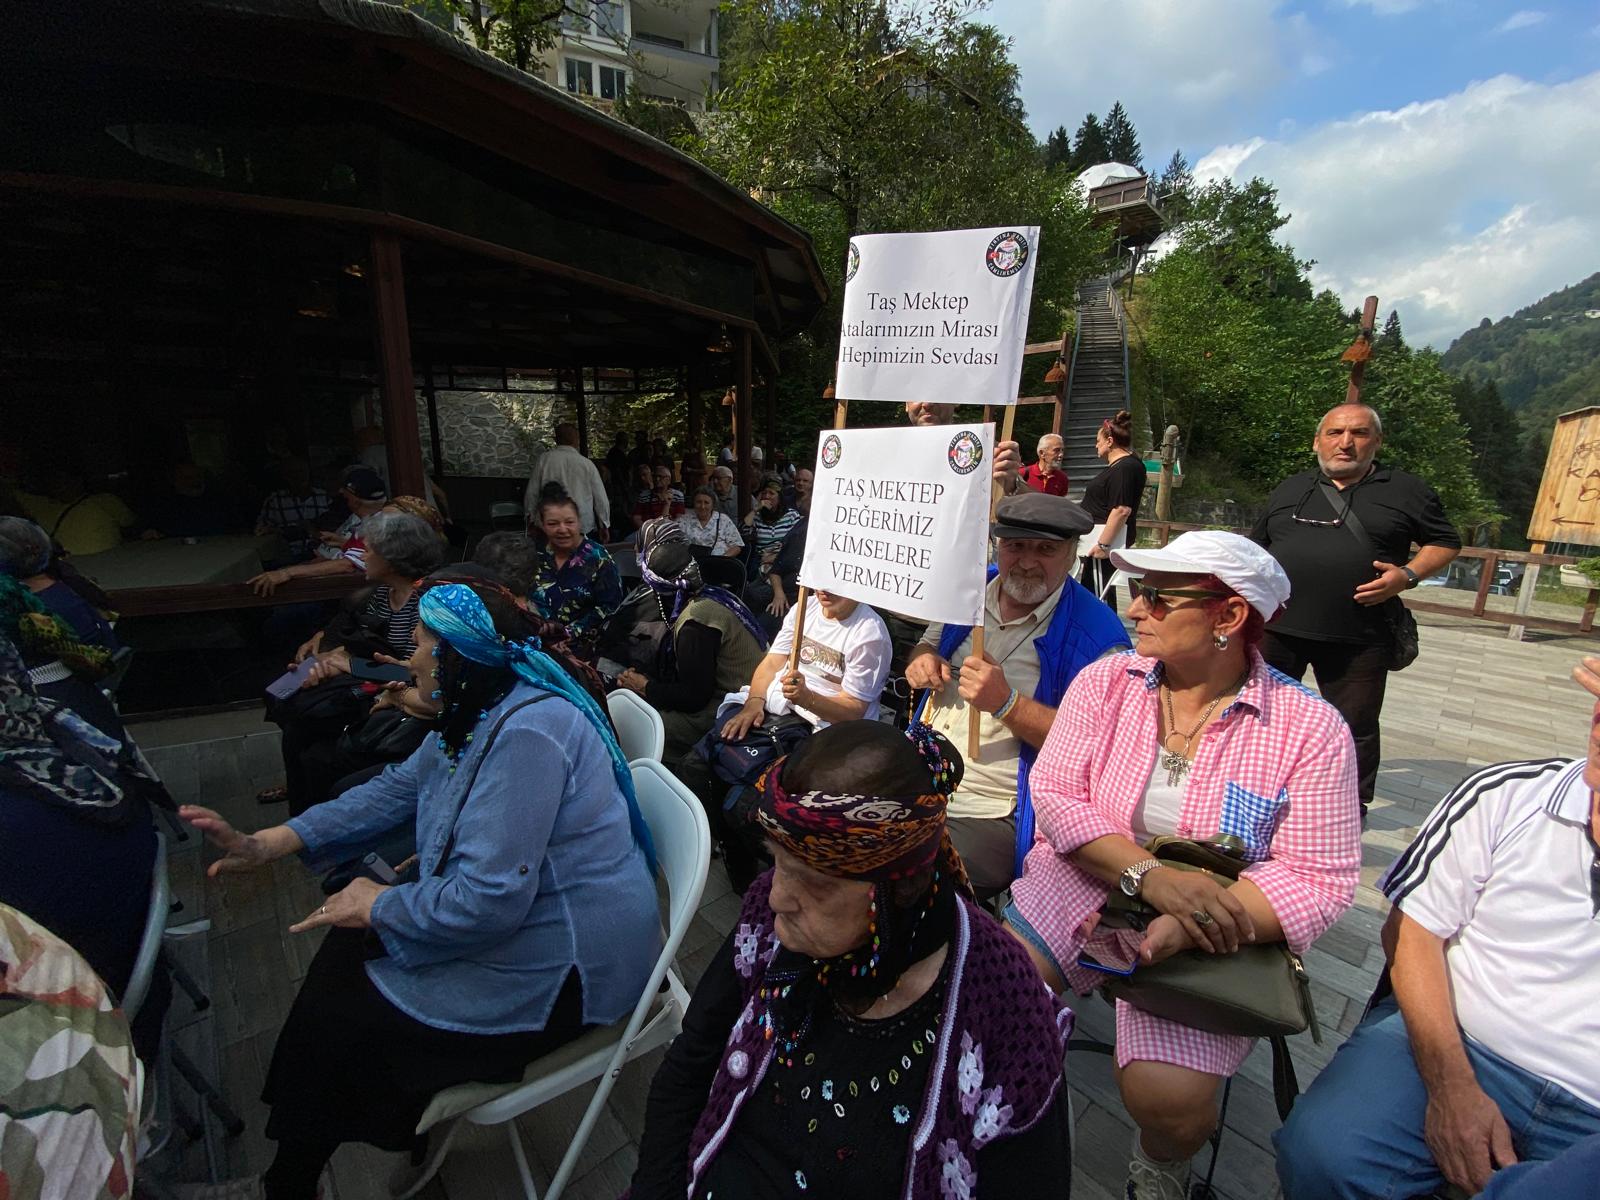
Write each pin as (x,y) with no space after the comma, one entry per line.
(1276,769)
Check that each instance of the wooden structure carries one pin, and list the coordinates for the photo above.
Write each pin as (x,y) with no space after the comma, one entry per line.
(1131,206)
(1567,508)
(257,213)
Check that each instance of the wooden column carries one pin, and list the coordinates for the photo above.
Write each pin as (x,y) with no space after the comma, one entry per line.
(1358,369)
(581,403)
(772,414)
(696,406)
(396,388)
(743,415)
(435,442)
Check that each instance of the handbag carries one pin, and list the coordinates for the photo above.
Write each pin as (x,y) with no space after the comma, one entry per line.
(387,735)
(1401,626)
(1257,991)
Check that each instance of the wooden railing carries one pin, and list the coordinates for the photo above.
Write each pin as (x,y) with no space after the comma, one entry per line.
(1491,559)
(226,597)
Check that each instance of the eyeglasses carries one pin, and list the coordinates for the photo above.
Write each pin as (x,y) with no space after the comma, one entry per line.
(1152,596)
(1326,524)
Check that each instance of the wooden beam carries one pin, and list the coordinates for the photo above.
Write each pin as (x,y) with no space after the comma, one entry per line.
(743,413)
(218,597)
(396,384)
(1358,370)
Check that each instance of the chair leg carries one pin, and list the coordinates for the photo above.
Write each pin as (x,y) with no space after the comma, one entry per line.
(1202,1191)
(186,981)
(408,1181)
(207,1091)
(521,1156)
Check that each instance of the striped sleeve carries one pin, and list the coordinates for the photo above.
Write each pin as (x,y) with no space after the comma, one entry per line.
(1436,881)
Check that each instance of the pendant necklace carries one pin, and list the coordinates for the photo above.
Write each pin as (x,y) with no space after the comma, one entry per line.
(1176,762)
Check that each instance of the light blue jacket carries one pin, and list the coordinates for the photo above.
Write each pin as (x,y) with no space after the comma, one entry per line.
(543,875)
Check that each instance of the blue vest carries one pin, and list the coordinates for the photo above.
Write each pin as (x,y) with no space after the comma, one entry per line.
(1082,629)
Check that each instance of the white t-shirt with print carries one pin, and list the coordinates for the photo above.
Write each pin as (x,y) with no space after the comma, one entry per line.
(850,656)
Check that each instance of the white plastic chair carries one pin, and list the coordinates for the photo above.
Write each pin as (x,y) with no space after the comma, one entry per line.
(639,729)
(683,849)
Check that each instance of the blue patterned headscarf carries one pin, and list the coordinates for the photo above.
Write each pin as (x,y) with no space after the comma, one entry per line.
(458,616)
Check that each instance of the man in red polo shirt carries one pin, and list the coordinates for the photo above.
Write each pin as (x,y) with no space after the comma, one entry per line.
(1049,474)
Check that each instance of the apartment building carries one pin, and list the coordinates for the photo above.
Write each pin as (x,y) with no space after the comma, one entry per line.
(664,50)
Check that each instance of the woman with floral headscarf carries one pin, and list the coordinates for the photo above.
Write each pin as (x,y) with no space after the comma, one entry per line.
(715,645)
(866,1031)
(532,917)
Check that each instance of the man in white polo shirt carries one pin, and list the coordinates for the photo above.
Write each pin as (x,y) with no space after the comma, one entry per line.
(1488,1052)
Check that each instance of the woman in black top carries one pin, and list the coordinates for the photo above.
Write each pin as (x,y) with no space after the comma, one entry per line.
(1112,499)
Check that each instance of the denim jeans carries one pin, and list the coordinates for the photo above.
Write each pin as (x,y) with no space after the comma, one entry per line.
(1357,1133)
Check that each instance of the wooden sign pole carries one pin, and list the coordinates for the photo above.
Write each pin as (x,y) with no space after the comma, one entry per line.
(973,715)
(841,409)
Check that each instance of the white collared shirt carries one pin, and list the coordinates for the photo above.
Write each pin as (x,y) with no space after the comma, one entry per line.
(1501,872)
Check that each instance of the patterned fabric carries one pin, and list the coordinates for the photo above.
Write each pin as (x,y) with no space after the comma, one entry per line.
(291,515)
(767,532)
(43,635)
(457,615)
(688,583)
(997,1061)
(581,594)
(1082,629)
(53,753)
(69,1104)
(718,535)
(1277,769)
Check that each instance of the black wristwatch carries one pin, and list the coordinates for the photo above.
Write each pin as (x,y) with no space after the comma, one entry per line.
(1411,576)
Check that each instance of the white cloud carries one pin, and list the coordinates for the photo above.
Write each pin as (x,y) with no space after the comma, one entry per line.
(1184,69)
(1470,205)
(1386,8)
(1525,18)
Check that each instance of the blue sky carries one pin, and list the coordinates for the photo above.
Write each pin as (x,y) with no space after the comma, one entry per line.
(1441,153)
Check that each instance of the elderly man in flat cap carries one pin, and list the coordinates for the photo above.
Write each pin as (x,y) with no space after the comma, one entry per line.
(1040,628)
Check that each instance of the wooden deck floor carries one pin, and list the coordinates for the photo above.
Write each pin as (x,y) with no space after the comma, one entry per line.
(1472,698)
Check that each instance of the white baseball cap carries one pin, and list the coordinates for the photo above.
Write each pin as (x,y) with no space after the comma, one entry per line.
(1237,561)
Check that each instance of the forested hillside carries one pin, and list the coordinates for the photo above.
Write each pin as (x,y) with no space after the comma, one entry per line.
(1543,359)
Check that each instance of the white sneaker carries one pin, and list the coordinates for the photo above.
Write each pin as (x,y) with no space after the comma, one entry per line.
(1149,1180)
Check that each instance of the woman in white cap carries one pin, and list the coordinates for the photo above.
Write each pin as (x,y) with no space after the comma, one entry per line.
(1193,735)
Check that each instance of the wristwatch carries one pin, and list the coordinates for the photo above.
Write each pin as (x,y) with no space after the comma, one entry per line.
(1411,577)
(1131,880)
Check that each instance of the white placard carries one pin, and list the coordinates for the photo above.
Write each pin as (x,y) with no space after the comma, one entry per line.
(939,317)
(900,519)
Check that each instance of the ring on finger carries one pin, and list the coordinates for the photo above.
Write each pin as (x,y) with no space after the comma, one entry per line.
(323,911)
(1202,917)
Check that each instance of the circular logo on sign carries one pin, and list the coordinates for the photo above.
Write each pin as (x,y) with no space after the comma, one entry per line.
(1007,254)
(852,264)
(966,452)
(832,448)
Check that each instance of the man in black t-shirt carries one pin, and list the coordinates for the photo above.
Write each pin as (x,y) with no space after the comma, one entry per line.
(1343,533)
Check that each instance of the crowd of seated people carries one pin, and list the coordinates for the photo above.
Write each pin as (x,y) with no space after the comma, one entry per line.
(889,1013)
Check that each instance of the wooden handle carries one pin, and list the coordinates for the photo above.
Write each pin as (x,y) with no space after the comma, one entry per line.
(799,627)
(1007,424)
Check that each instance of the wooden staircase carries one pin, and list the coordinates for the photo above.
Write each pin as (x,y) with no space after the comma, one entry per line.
(1098,384)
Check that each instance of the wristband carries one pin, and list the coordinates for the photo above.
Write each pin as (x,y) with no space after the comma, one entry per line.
(1104,547)
(1004,710)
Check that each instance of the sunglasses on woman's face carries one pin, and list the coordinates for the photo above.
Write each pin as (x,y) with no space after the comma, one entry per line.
(1152,596)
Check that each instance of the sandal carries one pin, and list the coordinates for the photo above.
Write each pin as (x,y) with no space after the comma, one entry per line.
(272,795)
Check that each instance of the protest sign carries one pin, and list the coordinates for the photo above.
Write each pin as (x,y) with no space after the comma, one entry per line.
(900,519)
(936,316)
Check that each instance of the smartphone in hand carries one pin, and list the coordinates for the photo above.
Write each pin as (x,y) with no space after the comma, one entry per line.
(376,672)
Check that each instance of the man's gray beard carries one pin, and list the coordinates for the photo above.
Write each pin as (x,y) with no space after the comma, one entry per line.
(1025,591)
(1354,471)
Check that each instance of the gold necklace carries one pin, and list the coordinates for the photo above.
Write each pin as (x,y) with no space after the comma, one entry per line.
(1176,762)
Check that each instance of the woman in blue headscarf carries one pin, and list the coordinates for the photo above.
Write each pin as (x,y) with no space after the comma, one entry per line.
(532,915)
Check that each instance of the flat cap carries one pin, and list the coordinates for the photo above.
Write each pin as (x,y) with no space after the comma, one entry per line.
(364,483)
(1038,515)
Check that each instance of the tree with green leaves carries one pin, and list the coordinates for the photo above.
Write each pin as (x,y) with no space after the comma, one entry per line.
(517,31)
(1243,356)
(1391,335)
(1058,147)
(1122,141)
(1089,144)
(1174,187)
(860,116)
